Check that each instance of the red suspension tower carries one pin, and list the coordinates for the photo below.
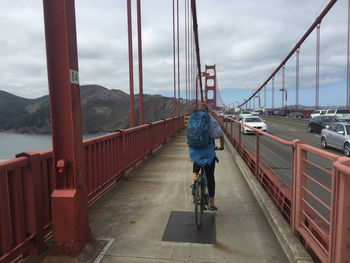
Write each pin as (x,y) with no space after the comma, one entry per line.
(210,85)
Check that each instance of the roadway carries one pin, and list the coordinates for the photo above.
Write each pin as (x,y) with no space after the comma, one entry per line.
(277,157)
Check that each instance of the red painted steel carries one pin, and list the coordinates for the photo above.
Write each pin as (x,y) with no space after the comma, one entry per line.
(131,65)
(27,182)
(326,237)
(139,37)
(210,88)
(65,111)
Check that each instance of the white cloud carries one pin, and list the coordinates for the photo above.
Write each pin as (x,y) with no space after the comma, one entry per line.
(246,39)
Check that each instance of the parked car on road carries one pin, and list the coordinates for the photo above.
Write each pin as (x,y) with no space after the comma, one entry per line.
(321,122)
(343,114)
(297,115)
(337,136)
(254,122)
(317,113)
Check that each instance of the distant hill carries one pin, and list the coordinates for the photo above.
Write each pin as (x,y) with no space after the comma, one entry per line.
(102,110)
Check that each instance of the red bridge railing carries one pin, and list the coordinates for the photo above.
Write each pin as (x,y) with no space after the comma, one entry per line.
(26,182)
(314,200)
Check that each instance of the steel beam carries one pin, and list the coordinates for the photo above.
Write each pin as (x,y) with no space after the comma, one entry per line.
(70,226)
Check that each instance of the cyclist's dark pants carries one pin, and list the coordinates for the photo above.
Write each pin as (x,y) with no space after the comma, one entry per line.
(209,172)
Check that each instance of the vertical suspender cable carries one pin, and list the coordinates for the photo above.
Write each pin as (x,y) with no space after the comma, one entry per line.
(174,60)
(283,88)
(178,59)
(348,61)
(185,38)
(131,66)
(297,79)
(317,103)
(139,34)
(298,44)
(188,53)
(273,92)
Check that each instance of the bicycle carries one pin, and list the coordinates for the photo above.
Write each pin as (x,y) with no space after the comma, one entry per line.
(200,194)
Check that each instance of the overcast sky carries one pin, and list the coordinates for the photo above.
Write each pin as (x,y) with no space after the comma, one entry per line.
(246,39)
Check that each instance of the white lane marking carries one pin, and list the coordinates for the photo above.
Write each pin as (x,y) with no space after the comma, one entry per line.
(274,125)
(104,250)
(319,136)
(291,129)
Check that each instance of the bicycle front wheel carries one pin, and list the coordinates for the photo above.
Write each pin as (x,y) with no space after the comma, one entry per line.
(198,206)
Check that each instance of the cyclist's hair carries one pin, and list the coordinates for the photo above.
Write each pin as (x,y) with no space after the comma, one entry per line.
(203,106)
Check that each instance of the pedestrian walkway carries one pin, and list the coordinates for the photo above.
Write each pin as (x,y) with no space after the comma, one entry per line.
(136,211)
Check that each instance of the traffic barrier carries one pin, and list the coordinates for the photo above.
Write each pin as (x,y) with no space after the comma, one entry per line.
(26,182)
(315,202)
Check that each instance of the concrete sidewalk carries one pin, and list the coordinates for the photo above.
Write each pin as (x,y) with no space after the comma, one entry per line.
(135,214)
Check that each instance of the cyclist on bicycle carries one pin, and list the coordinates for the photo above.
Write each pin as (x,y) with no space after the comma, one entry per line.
(206,156)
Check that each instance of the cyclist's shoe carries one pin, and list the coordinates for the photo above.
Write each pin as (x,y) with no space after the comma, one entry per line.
(193,189)
(212,208)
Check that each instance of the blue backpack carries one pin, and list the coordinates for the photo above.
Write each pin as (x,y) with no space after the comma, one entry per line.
(198,130)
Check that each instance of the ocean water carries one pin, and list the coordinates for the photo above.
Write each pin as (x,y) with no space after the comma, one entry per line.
(13,143)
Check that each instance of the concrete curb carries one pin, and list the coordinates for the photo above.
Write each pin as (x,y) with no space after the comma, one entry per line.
(291,246)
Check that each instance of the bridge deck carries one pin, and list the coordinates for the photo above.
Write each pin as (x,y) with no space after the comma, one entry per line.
(135,213)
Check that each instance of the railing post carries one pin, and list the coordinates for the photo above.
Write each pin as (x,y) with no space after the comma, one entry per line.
(151,138)
(294,175)
(124,153)
(340,215)
(165,133)
(33,184)
(257,154)
(6,239)
(239,136)
(298,182)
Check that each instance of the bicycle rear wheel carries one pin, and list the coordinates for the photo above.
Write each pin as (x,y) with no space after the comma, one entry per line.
(198,203)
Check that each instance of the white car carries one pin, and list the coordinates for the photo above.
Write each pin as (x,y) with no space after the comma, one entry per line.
(254,122)
(317,113)
(342,114)
(243,114)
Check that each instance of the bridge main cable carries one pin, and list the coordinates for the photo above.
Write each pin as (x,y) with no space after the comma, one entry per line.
(295,48)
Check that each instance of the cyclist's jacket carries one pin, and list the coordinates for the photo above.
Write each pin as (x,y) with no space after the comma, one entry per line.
(207,154)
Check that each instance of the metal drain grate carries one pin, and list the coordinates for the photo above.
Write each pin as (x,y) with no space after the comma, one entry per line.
(181,227)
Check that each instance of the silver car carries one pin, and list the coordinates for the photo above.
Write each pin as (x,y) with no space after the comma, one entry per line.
(337,136)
